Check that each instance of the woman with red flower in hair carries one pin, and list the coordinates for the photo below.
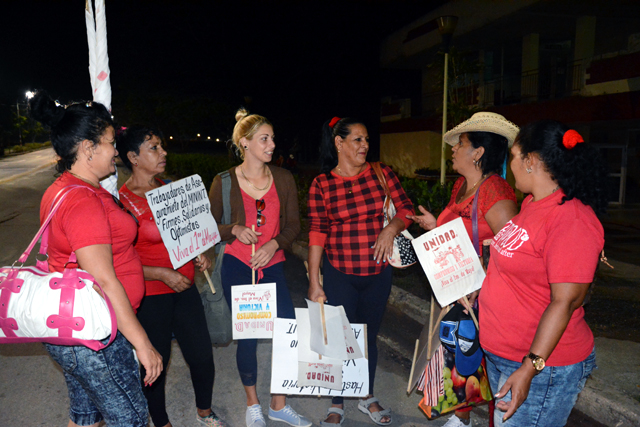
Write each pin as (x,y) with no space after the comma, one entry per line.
(538,347)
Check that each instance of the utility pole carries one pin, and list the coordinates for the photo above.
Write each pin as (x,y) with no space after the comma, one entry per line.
(18,121)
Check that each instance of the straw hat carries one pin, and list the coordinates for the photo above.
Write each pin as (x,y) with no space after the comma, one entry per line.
(484,122)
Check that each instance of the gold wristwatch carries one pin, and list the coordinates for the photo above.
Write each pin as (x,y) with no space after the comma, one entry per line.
(538,362)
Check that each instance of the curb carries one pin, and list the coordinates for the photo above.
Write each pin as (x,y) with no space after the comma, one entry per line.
(29,172)
(607,406)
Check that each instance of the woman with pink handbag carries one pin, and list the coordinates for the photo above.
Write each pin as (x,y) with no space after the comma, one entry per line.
(91,223)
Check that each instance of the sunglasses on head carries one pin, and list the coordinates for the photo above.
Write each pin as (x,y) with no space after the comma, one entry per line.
(260,206)
(121,206)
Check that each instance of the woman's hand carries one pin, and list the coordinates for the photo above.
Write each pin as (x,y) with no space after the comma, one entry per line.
(471,297)
(152,362)
(427,221)
(245,234)
(519,383)
(202,262)
(383,247)
(264,254)
(316,293)
(175,280)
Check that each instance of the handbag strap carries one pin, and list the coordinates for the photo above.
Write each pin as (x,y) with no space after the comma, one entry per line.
(55,205)
(226,204)
(378,170)
(474,220)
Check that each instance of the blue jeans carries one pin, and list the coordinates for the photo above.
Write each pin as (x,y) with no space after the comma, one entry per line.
(235,272)
(552,394)
(102,384)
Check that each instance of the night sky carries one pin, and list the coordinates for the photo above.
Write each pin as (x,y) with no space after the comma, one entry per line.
(300,62)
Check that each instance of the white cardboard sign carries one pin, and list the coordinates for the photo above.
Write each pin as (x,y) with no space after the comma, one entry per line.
(449,261)
(284,365)
(182,213)
(253,309)
(341,342)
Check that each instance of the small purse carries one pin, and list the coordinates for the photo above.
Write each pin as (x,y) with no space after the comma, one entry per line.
(216,309)
(56,308)
(403,253)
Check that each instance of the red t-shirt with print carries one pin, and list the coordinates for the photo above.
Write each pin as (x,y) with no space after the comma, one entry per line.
(91,217)
(149,245)
(545,243)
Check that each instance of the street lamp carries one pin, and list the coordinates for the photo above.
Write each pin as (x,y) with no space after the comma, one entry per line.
(446,27)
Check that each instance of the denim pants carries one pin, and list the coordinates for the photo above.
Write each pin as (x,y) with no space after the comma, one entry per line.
(364,299)
(552,394)
(102,384)
(235,272)
(181,315)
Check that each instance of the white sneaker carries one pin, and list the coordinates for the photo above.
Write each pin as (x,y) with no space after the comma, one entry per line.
(456,422)
(254,416)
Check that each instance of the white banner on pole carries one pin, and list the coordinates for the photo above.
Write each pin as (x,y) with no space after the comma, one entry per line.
(253,310)
(449,261)
(285,364)
(182,213)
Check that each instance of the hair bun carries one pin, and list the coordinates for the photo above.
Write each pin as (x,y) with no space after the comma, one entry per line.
(241,114)
(45,110)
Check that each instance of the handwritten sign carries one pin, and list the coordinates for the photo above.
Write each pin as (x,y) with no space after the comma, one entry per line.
(182,213)
(341,343)
(253,310)
(285,364)
(449,261)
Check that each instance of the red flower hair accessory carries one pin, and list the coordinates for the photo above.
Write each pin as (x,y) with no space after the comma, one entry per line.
(571,138)
(333,122)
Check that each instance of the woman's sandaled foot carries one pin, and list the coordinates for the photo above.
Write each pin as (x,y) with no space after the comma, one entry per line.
(335,416)
(370,406)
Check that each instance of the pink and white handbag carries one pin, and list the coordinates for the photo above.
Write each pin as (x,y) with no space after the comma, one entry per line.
(56,308)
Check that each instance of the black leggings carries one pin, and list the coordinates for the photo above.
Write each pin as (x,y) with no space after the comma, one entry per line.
(364,299)
(178,315)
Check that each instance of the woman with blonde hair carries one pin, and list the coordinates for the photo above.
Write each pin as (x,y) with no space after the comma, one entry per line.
(265,197)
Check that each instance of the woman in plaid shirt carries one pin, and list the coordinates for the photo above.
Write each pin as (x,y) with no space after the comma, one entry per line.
(346,232)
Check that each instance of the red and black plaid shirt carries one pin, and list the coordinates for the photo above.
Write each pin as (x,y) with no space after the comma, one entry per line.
(345,217)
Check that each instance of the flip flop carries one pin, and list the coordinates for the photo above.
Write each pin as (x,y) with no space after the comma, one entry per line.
(363,406)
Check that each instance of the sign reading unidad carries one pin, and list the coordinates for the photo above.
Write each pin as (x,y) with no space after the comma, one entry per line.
(450,262)
(182,213)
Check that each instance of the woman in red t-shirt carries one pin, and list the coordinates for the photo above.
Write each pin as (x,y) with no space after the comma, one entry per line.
(104,384)
(480,146)
(171,306)
(538,347)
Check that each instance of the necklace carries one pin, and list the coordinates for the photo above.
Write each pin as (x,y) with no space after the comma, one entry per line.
(343,174)
(254,187)
(464,196)
(85,180)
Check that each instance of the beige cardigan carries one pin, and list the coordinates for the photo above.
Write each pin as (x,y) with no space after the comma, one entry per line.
(287,194)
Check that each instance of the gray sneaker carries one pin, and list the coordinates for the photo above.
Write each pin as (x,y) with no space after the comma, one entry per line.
(289,416)
(254,416)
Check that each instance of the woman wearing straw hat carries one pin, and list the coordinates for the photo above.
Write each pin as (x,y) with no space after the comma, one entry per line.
(538,347)
(480,146)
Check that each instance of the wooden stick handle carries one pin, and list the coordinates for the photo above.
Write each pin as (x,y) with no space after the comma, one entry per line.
(324,323)
(213,288)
